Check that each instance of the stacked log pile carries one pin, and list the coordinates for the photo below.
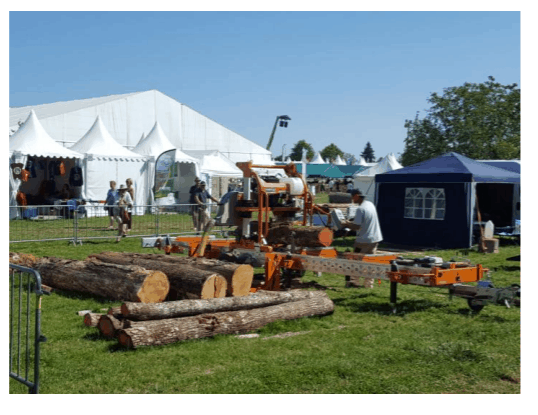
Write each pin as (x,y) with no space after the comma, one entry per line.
(191,277)
(170,322)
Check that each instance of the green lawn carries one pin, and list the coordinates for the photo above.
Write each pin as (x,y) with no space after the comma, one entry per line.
(431,345)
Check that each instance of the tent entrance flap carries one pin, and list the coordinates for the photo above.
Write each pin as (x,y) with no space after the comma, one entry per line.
(496,203)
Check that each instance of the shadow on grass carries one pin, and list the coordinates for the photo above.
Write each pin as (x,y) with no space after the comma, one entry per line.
(82,296)
(402,307)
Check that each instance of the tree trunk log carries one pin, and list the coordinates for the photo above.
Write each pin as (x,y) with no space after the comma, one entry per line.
(185,280)
(24,260)
(238,276)
(312,236)
(118,282)
(109,326)
(159,332)
(92,319)
(115,312)
(174,309)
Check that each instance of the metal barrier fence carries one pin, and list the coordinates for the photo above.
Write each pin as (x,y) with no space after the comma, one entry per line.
(25,326)
(95,221)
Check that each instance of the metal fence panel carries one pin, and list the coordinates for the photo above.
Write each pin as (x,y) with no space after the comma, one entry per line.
(95,221)
(25,326)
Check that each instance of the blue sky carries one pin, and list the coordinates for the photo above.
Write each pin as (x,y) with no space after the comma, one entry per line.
(343,77)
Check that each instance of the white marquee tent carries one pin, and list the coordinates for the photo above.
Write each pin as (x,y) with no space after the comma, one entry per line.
(152,146)
(105,160)
(128,116)
(317,159)
(339,161)
(365,179)
(31,140)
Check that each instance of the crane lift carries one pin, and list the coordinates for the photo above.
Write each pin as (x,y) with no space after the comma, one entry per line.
(272,217)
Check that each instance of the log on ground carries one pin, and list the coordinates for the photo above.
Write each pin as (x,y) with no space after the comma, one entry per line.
(112,281)
(159,332)
(238,276)
(339,197)
(185,280)
(312,236)
(183,308)
(92,319)
(109,326)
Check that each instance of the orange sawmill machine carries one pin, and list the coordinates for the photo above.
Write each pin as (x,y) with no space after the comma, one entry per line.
(277,198)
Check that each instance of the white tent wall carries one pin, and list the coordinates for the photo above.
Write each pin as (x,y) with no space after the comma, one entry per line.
(129,116)
(99,171)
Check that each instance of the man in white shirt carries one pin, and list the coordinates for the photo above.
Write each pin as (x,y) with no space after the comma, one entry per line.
(368,230)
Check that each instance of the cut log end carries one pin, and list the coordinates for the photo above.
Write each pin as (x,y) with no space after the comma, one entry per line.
(214,287)
(109,326)
(155,288)
(125,340)
(242,281)
(92,319)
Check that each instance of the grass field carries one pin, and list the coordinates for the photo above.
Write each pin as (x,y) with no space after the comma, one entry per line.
(430,345)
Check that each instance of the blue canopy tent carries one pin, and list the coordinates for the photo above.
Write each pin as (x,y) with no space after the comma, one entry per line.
(433,203)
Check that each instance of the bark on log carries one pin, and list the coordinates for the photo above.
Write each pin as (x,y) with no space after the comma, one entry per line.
(117,282)
(159,332)
(114,311)
(339,197)
(92,319)
(109,326)
(312,236)
(185,280)
(24,260)
(238,276)
(174,309)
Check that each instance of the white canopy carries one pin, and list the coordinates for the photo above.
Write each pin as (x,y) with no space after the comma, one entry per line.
(365,179)
(155,143)
(106,160)
(31,139)
(99,143)
(339,161)
(214,163)
(317,159)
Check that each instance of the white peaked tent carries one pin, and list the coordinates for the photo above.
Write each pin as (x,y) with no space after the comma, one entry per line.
(31,140)
(213,164)
(365,179)
(105,160)
(287,161)
(339,161)
(317,159)
(156,143)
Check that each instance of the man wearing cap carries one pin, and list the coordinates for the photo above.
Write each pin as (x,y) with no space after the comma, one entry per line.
(194,209)
(200,199)
(368,230)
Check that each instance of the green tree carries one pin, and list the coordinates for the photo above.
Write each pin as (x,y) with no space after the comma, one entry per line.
(480,121)
(350,158)
(368,153)
(297,151)
(330,152)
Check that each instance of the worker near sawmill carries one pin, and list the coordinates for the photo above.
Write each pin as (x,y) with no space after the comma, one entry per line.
(194,209)
(200,199)
(368,230)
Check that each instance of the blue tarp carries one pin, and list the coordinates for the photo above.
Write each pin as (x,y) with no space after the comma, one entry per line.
(449,168)
(330,170)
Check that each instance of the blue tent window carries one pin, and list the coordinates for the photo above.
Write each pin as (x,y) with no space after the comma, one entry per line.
(424,203)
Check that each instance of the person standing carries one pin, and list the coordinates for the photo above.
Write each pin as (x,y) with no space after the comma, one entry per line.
(125,203)
(200,198)
(331,185)
(366,223)
(130,190)
(194,208)
(111,199)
